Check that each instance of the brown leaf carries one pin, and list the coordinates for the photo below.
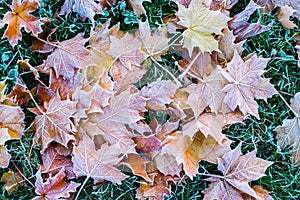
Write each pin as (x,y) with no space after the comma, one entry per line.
(53,122)
(99,164)
(12,180)
(68,56)
(137,6)
(53,162)
(19,17)
(85,8)
(124,109)
(190,151)
(55,187)
(284,15)
(238,171)
(292,3)
(242,28)
(261,193)
(288,132)
(246,84)
(159,93)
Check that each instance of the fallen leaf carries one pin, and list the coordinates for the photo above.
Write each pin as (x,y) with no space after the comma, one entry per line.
(284,15)
(246,84)
(201,24)
(238,170)
(12,181)
(137,6)
(85,8)
(55,187)
(19,17)
(99,164)
(288,132)
(53,122)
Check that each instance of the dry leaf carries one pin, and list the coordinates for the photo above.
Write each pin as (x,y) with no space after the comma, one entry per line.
(246,84)
(19,17)
(137,6)
(99,164)
(55,187)
(291,3)
(201,24)
(53,122)
(288,133)
(12,180)
(238,170)
(68,56)
(242,28)
(85,8)
(284,15)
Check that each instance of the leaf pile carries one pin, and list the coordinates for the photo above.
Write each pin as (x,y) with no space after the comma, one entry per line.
(92,121)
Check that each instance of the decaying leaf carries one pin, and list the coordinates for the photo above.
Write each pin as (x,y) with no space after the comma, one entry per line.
(137,6)
(289,132)
(201,24)
(19,17)
(97,164)
(55,187)
(238,170)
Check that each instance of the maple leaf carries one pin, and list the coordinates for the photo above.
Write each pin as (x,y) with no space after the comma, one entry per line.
(159,93)
(237,171)
(126,50)
(124,109)
(68,56)
(137,6)
(11,127)
(288,133)
(292,3)
(201,24)
(245,84)
(154,43)
(284,15)
(55,187)
(208,92)
(53,162)
(53,122)
(85,8)
(242,28)
(12,180)
(190,151)
(99,164)
(19,17)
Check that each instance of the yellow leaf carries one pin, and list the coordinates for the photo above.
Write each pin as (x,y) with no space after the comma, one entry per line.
(201,23)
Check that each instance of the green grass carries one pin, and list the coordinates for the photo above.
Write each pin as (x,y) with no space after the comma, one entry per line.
(282,179)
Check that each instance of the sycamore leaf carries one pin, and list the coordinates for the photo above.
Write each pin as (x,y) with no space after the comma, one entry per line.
(201,24)
(97,164)
(189,151)
(261,193)
(246,84)
(242,28)
(55,187)
(53,122)
(85,8)
(19,17)
(68,56)
(289,132)
(284,15)
(12,180)
(238,171)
